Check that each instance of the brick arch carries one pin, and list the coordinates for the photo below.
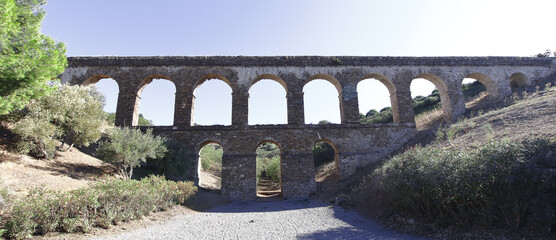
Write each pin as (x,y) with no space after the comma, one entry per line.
(519,79)
(336,154)
(383,79)
(96,78)
(447,108)
(269,140)
(338,87)
(142,85)
(328,78)
(148,79)
(490,85)
(210,76)
(391,87)
(198,161)
(205,142)
(270,77)
(198,83)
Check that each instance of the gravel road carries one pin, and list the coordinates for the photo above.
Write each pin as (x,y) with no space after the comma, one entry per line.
(290,219)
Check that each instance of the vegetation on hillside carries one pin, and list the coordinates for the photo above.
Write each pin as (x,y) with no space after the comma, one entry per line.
(71,114)
(142,121)
(421,104)
(211,157)
(29,60)
(502,184)
(476,174)
(268,162)
(101,204)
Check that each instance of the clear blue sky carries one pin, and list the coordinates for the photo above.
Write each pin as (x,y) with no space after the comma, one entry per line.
(264,28)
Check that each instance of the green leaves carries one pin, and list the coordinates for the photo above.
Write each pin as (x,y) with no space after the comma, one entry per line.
(128,148)
(28,59)
(72,112)
(502,183)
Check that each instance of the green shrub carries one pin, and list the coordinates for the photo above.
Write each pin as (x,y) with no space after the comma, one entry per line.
(127,148)
(211,157)
(502,184)
(323,153)
(176,163)
(102,204)
(268,162)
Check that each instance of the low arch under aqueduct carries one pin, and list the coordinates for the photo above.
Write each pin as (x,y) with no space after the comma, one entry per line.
(357,145)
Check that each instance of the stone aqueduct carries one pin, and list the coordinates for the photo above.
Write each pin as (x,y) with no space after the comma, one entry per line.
(357,145)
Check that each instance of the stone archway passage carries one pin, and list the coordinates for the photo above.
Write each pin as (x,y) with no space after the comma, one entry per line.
(358,145)
(269,172)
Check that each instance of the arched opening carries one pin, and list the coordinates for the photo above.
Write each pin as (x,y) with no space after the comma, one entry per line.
(267,101)
(322,96)
(473,91)
(518,80)
(375,104)
(209,167)
(110,90)
(491,88)
(157,99)
(212,102)
(426,93)
(269,174)
(325,157)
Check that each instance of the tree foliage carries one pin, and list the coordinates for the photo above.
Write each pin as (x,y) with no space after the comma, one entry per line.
(127,148)
(72,113)
(29,60)
(111,119)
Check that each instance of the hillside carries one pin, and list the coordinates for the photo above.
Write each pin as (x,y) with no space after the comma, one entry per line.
(524,116)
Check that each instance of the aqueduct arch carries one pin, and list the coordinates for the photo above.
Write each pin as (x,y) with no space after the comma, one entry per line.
(358,145)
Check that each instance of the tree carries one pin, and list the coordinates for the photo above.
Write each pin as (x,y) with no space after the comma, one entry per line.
(77,111)
(545,54)
(127,148)
(29,60)
(73,113)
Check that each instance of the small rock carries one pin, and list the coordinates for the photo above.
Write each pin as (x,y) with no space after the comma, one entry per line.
(252,221)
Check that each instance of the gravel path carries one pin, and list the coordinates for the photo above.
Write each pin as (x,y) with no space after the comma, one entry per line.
(291,219)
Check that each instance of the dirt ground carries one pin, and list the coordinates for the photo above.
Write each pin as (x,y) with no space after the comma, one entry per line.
(67,171)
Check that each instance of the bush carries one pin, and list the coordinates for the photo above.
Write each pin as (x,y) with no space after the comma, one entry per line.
(502,184)
(71,113)
(102,204)
(268,162)
(127,148)
(176,163)
(211,157)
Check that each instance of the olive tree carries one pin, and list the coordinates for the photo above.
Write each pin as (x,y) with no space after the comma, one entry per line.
(127,148)
(72,114)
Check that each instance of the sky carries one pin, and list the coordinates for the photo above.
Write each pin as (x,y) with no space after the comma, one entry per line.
(278,28)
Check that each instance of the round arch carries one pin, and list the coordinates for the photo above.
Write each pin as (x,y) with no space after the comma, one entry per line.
(209,178)
(268,173)
(336,154)
(149,79)
(212,76)
(209,142)
(328,78)
(390,87)
(270,77)
(95,78)
(438,82)
(519,80)
(490,85)
(268,140)
(383,79)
